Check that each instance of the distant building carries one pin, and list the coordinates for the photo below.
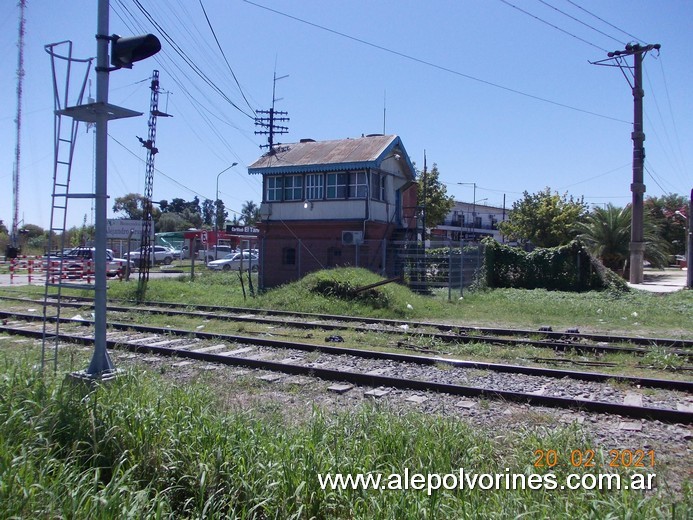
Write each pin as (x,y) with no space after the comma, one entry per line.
(331,203)
(470,221)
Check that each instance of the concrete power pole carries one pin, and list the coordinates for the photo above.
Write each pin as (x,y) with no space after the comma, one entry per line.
(637,187)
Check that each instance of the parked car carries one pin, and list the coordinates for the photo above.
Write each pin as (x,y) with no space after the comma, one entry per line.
(215,253)
(81,259)
(157,255)
(234,262)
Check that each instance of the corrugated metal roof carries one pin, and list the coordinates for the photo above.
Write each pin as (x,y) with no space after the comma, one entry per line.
(343,154)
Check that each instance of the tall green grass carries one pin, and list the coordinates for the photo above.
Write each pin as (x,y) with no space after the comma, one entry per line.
(142,447)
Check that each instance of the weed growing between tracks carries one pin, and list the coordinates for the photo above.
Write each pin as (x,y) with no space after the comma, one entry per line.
(632,312)
(144,446)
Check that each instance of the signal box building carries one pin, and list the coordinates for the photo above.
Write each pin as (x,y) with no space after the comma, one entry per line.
(333,203)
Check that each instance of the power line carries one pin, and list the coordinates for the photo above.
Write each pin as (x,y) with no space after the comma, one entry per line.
(158,170)
(182,79)
(581,22)
(552,25)
(654,176)
(187,59)
(178,183)
(434,65)
(604,21)
(671,113)
(223,54)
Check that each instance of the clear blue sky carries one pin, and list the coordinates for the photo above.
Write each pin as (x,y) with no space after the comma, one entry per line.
(493,95)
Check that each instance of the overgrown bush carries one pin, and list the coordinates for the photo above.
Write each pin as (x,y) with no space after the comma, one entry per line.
(565,268)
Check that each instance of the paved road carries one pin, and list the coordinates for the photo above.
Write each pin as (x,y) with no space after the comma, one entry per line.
(662,280)
(655,280)
(23,279)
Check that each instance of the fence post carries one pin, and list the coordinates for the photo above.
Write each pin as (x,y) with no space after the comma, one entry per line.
(461,266)
(449,271)
(300,257)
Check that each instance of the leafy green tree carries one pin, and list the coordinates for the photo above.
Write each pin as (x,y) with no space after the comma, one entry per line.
(662,211)
(193,217)
(606,233)
(208,212)
(32,231)
(433,197)
(250,213)
(545,219)
(131,205)
(221,213)
(173,222)
(177,205)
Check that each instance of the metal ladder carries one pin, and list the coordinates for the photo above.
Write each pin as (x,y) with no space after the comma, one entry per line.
(64,138)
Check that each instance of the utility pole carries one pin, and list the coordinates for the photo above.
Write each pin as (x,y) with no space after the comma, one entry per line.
(637,187)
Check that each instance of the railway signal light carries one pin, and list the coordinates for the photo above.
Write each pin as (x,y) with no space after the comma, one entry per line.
(127,50)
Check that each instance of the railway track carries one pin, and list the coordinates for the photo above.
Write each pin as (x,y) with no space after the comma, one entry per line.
(444,333)
(665,400)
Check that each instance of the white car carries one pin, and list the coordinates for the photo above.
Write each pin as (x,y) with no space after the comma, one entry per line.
(157,255)
(235,262)
(215,253)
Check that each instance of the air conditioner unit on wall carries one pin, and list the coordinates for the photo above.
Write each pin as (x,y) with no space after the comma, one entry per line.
(352,238)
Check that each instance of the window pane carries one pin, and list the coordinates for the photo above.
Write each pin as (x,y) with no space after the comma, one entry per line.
(314,186)
(274,189)
(293,187)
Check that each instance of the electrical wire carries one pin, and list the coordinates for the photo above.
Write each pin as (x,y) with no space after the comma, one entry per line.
(182,79)
(434,65)
(211,28)
(604,21)
(656,178)
(188,60)
(581,22)
(552,25)
(671,113)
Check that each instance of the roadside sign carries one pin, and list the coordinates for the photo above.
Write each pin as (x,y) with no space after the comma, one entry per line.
(119,228)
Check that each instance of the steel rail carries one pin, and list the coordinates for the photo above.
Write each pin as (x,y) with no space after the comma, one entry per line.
(668,384)
(660,414)
(563,345)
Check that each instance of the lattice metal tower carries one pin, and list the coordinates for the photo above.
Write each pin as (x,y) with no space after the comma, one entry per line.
(150,145)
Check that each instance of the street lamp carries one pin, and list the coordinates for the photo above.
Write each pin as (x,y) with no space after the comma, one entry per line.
(216,199)
(473,202)
(474,211)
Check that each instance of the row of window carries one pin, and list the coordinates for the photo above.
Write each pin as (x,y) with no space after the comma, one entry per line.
(319,186)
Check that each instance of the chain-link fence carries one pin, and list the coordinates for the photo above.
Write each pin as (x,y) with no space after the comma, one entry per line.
(452,266)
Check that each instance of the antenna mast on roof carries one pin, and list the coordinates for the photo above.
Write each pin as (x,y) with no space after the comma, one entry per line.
(269,123)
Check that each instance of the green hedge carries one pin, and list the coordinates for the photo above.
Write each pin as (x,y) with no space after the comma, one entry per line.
(564,268)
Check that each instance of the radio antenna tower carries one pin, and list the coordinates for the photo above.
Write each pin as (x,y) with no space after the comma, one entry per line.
(269,123)
(14,243)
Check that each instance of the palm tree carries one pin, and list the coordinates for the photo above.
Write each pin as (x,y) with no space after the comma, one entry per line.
(606,233)
(250,213)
